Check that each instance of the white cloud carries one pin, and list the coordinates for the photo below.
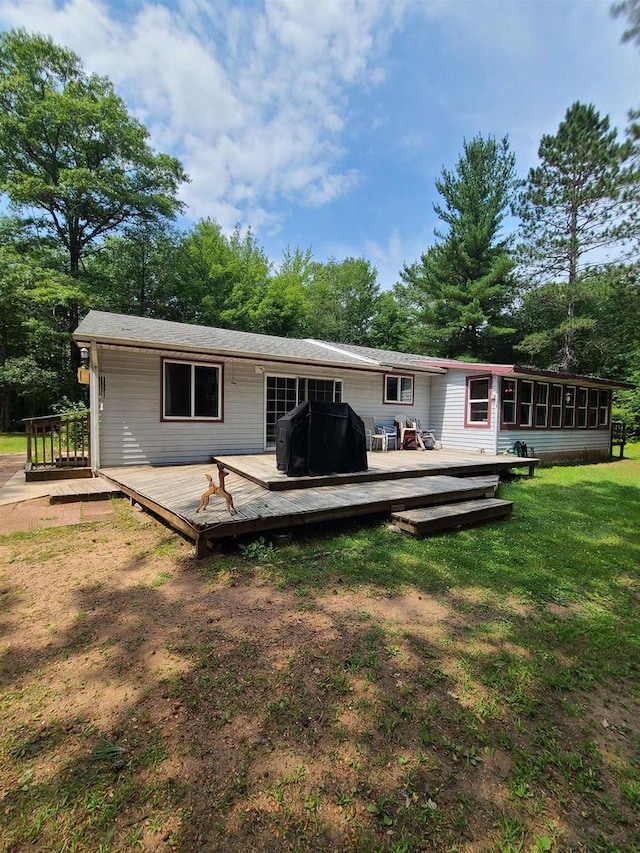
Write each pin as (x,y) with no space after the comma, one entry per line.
(252,98)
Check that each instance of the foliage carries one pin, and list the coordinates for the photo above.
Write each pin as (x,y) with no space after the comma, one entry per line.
(575,206)
(605,325)
(221,279)
(342,298)
(69,149)
(463,283)
(284,307)
(626,404)
(631,10)
(136,272)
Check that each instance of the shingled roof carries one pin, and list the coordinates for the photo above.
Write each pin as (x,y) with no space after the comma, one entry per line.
(143,332)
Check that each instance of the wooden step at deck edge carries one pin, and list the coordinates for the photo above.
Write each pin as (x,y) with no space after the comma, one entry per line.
(421,522)
(73,491)
(490,481)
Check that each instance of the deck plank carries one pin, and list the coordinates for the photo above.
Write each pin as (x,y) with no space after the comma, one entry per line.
(426,520)
(398,464)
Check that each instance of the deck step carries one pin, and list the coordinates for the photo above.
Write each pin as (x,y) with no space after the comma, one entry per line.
(422,522)
(489,481)
(72,491)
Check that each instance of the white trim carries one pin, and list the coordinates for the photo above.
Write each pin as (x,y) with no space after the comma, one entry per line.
(94,407)
(193,365)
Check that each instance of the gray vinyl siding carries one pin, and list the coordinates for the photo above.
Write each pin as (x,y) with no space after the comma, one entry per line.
(555,440)
(448,399)
(133,433)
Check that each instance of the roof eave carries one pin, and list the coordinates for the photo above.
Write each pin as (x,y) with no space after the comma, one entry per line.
(84,339)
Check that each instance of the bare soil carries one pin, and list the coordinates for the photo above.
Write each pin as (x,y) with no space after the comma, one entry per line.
(223,713)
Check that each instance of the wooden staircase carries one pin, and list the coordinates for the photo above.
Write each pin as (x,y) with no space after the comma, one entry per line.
(450,515)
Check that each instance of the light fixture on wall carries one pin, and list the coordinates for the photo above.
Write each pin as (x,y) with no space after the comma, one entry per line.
(84,375)
(259,369)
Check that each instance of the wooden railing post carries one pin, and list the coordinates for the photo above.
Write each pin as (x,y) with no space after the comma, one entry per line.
(64,440)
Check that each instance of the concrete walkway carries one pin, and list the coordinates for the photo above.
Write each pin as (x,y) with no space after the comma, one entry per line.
(25,506)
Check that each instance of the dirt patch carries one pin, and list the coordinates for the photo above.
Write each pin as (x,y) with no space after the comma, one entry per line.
(151,702)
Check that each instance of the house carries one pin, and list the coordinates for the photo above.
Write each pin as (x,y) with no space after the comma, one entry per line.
(169,393)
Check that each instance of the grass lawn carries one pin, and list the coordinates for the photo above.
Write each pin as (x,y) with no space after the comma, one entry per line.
(13,442)
(356,689)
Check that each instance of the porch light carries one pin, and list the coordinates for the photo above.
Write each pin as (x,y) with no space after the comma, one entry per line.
(84,356)
(567,397)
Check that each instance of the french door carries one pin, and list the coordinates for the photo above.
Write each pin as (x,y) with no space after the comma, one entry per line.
(283,393)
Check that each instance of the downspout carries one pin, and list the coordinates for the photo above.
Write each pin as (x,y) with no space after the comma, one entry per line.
(94,406)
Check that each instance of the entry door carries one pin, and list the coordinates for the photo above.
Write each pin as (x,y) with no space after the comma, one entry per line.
(281,397)
(283,393)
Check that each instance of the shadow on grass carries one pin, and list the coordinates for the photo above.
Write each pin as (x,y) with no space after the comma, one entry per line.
(289,722)
(564,544)
(298,700)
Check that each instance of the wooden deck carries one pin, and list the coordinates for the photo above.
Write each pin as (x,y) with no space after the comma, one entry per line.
(390,465)
(173,493)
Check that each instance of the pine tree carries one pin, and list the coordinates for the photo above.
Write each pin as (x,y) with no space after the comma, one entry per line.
(575,212)
(463,283)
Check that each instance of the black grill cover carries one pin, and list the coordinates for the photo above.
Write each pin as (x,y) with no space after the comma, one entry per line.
(320,438)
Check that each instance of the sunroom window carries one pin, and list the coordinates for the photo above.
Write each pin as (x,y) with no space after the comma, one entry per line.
(478,391)
(509,401)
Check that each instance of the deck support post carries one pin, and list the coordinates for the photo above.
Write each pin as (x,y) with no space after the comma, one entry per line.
(202,549)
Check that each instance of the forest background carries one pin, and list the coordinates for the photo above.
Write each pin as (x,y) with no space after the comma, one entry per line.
(90,222)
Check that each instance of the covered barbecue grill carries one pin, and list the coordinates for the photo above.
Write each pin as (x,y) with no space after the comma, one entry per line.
(320,438)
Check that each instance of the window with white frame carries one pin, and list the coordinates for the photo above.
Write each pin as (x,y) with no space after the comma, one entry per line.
(556,406)
(509,401)
(526,403)
(398,389)
(570,406)
(283,393)
(478,397)
(542,403)
(191,390)
(582,407)
(603,418)
(593,407)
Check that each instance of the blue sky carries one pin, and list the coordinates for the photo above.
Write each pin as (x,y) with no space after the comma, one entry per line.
(324,123)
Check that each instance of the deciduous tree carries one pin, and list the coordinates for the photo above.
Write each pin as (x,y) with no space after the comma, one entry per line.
(70,151)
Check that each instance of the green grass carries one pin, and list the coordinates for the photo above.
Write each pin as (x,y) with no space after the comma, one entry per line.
(506,719)
(13,442)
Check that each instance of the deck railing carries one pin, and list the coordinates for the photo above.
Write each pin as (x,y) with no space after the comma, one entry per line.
(59,441)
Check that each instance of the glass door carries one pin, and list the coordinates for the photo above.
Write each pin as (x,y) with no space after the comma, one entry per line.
(281,397)
(283,393)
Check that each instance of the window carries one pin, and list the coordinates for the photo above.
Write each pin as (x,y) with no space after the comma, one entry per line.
(582,407)
(320,390)
(192,390)
(603,418)
(593,407)
(542,403)
(556,405)
(284,393)
(478,394)
(509,401)
(570,406)
(398,389)
(526,403)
